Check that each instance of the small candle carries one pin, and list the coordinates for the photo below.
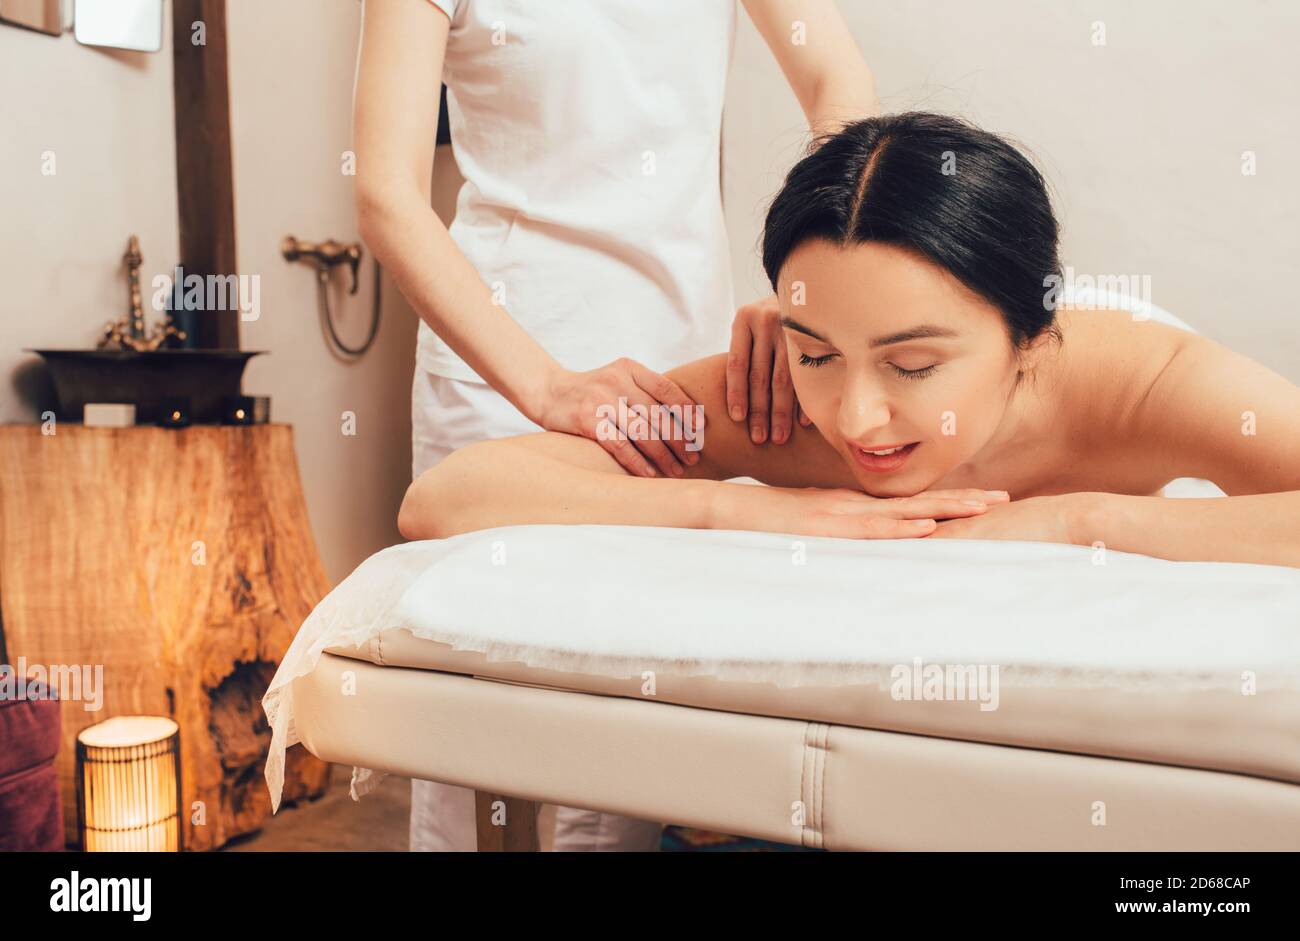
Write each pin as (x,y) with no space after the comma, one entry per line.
(245,409)
(174,412)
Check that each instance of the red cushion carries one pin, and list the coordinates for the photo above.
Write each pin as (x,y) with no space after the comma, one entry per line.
(31,811)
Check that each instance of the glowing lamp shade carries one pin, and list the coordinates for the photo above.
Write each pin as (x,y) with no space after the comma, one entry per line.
(129,785)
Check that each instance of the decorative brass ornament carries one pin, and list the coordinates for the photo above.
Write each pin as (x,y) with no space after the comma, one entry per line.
(129,332)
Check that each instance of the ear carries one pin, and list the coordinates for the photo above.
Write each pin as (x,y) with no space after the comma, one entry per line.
(1032,353)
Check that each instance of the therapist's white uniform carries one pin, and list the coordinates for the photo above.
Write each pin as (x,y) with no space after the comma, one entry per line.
(588,135)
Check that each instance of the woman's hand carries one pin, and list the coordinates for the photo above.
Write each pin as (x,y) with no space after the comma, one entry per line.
(849,514)
(758,373)
(1056,518)
(601,404)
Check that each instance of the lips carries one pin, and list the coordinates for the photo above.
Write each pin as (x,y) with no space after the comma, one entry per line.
(883,464)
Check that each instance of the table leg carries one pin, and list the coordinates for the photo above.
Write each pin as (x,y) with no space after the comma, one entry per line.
(505,824)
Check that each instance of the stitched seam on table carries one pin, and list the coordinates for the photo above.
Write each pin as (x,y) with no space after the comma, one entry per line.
(803,787)
(815,736)
(816,783)
(377,642)
(821,785)
(819,780)
(816,790)
(810,833)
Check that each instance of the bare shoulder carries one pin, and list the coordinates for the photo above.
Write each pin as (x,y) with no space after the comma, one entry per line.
(1187,405)
(805,460)
(1112,363)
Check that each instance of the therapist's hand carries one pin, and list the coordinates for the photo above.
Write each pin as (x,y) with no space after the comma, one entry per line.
(588,404)
(759,389)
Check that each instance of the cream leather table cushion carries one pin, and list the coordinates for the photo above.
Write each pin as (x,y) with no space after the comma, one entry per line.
(810,783)
(1095,652)
(1215,728)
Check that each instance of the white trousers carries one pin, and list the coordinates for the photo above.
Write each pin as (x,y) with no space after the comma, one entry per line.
(447,414)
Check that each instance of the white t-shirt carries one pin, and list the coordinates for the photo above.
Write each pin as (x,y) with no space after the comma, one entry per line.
(588,133)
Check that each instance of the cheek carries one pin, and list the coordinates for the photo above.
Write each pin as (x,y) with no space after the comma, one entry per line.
(969,406)
(817,391)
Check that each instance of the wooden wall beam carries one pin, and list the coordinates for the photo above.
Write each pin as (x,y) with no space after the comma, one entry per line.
(204,171)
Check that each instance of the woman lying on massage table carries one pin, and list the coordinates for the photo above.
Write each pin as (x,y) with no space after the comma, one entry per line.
(910,255)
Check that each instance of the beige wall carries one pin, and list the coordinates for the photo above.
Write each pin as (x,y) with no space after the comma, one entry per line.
(292,64)
(107,118)
(1142,138)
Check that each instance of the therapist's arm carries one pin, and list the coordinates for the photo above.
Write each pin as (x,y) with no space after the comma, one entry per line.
(395,129)
(833,84)
(819,58)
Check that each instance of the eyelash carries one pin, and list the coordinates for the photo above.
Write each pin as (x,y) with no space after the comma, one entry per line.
(815,361)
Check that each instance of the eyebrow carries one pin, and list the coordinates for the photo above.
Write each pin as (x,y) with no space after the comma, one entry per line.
(922,332)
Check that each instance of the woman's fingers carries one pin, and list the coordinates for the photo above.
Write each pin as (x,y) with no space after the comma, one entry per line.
(932,507)
(742,342)
(629,458)
(885,527)
(760,388)
(680,422)
(783,403)
(654,451)
(967,493)
(634,427)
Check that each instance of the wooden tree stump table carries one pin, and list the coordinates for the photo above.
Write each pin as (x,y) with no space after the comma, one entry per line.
(182,562)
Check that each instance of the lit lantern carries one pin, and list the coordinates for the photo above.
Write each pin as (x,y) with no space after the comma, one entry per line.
(129,785)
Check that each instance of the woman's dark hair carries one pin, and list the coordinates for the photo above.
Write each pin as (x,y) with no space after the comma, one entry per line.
(964,198)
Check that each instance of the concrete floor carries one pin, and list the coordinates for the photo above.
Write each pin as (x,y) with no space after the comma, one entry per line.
(337,823)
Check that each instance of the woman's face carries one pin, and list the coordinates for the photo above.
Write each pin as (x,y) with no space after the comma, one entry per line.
(887,348)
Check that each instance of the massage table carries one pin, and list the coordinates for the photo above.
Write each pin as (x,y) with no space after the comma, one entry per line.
(819,692)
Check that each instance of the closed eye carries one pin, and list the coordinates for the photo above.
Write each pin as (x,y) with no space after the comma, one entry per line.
(913,373)
(815,361)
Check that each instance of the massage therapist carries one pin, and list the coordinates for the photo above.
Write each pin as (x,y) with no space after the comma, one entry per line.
(589,229)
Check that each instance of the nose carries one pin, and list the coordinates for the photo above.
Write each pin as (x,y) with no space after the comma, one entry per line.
(864,407)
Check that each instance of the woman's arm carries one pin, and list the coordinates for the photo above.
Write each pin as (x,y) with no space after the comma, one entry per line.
(1263,528)
(816,52)
(1211,413)
(1216,414)
(558,478)
(544,478)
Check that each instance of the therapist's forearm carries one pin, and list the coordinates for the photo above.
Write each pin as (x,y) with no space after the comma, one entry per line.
(846,94)
(820,59)
(500,483)
(446,292)
(1262,528)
